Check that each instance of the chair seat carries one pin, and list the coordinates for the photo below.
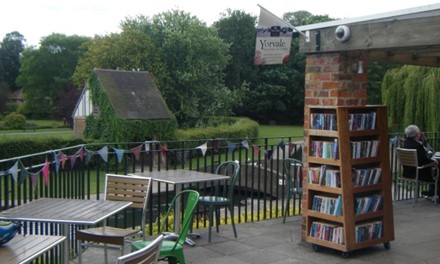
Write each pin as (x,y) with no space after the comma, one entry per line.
(165,249)
(107,234)
(214,200)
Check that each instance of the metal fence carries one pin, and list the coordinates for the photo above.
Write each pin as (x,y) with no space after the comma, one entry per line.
(79,172)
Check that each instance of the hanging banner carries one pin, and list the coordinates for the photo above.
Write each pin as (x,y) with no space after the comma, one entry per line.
(273,39)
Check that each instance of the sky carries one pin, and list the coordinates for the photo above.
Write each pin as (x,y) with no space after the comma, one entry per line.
(35,19)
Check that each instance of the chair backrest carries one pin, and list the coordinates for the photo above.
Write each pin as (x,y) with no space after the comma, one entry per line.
(131,188)
(192,198)
(231,169)
(293,171)
(407,157)
(146,255)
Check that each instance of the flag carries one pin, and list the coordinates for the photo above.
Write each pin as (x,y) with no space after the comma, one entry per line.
(103,152)
(273,39)
(203,148)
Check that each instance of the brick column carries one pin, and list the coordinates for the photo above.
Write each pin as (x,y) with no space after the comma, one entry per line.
(331,80)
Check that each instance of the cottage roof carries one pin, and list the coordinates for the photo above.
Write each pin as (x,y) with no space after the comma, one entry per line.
(133,94)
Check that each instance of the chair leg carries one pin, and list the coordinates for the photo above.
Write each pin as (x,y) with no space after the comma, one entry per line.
(231,209)
(286,208)
(105,254)
(211,220)
(79,252)
(217,218)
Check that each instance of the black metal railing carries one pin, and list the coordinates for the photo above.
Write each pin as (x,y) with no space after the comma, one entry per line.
(78,172)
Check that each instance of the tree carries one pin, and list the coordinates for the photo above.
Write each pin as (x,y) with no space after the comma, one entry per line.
(10,51)
(186,57)
(47,70)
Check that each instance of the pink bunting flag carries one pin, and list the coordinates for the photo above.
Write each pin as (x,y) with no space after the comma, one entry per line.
(81,153)
(163,153)
(46,172)
(63,158)
(256,150)
(72,161)
(137,151)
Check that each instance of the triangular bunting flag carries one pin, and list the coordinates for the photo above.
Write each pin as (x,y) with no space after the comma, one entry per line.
(268,154)
(203,148)
(231,147)
(291,148)
(215,145)
(56,159)
(81,153)
(63,158)
(245,144)
(256,150)
(88,156)
(136,152)
(103,153)
(14,171)
(45,172)
(23,173)
(163,153)
(119,154)
(72,161)
(34,179)
(281,145)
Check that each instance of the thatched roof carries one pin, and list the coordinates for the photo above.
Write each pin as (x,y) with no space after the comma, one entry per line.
(133,94)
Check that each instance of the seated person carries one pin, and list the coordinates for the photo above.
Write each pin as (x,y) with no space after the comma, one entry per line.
(413,141)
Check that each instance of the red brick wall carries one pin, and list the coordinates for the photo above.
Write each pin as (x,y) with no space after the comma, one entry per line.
(331,80)
(79,124)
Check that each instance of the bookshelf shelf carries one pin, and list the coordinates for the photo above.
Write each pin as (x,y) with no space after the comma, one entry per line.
(352,143)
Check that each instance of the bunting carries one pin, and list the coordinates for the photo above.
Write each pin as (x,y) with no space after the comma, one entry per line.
(203,148)
(63,158)
(231,147)
(34,179)
(23,174)
(119,154)
(245,144)
(14,171)
(46,173)
(103,153)
(137,152)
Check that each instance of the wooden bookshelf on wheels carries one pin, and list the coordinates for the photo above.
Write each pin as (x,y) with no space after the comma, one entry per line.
(348,182)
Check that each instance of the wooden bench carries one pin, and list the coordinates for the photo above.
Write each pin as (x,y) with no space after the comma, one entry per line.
(23,249)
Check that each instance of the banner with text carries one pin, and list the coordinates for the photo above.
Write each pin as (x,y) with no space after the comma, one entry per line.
(273,39)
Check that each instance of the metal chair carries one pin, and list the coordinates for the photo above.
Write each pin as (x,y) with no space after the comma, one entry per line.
(223,195)
(408,158)
(293,172)
(146,255)
(173,250)
(117,188)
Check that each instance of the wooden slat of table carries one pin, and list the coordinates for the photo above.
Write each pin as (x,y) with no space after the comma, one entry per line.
(24,249)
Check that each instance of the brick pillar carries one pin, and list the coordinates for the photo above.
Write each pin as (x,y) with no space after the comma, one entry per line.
(331,80)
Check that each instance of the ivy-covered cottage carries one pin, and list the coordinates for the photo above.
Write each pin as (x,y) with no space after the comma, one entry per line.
(118,106)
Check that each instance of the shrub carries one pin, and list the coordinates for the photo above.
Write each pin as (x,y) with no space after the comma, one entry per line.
(15,120)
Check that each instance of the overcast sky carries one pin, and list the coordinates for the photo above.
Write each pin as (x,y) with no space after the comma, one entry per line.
(38,18)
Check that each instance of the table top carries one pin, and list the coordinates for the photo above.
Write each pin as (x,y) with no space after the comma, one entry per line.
(182,176)
(22,249)
(66,211)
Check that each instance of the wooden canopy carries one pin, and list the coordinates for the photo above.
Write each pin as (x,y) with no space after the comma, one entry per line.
(410,36)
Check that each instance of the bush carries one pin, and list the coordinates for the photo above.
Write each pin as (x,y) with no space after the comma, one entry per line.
(15,120)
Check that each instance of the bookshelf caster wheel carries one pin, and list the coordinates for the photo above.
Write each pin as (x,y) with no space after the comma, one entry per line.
(387,245)
(345,254)
(316,248)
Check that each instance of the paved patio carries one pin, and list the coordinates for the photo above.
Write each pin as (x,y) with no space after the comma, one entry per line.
(417,240)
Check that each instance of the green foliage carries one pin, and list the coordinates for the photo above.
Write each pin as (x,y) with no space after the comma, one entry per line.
(45,71)
(15,120)
(226,127)
(412,96)
(109,128)
(16,146)
(10,51)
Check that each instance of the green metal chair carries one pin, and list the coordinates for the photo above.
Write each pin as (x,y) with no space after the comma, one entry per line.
(293,172)
(223,195)
(173,250)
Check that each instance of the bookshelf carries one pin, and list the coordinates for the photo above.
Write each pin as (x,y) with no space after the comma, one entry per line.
(348,185)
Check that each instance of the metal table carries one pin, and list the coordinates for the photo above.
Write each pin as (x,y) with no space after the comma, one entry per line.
(178,178)
(64,212)
(24,249)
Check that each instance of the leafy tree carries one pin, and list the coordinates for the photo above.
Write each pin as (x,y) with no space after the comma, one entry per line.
(47,70)
(187,58)
(10,51)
